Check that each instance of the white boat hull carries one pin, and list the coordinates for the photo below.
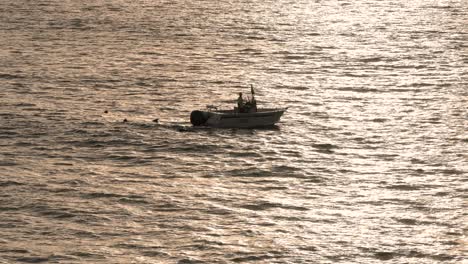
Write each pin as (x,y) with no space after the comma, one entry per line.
(232,119)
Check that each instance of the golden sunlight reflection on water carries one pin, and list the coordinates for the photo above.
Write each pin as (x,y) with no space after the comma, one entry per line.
(368,163)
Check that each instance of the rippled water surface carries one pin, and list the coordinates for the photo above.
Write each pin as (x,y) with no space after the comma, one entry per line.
(368,164)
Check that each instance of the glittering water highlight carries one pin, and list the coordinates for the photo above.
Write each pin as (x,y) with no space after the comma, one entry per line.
(367,165)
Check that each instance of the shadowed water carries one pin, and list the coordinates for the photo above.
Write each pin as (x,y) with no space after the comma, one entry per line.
(368,164)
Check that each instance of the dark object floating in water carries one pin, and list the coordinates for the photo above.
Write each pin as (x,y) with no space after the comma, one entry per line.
(105,112)
(125,120)
(245,115)
(156,120)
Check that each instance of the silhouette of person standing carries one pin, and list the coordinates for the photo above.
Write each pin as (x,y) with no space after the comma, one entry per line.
(240,103)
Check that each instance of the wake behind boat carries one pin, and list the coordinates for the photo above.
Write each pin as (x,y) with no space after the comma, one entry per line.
(245,115)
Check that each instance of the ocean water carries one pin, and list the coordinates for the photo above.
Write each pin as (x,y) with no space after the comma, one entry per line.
(368,165)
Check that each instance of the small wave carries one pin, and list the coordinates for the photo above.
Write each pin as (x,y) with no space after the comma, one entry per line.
(217,211)
(96,195)
(269,205)
(199,148)
(379,120)
(253,258)
(358,90)
(349,74)
(384,255)
(24,105)
(83,254)
(256,38)
(33,259)
(118,157)
(417,161)
(407,221)
(297,88)
(8,134)
(452,172)
(100,195)
(252,154)
(15,251)
(404,187)
(294,57)
(372,59)
(190,261)
(57,213)
(251,51)
(154,253)
(252,172)
(61,190)
(10,183)
(11,76)
(284,168)
(274,188)
(7,163)
(23,144)
(422,84)
(150,53)
(143,84)
(169,207)
(85,234)
(324,146)
(129,200)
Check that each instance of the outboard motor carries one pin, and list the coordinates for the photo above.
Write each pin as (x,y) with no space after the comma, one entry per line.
(198,118)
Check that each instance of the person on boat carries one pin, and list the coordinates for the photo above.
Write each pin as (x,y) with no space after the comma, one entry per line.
(240,103)
(253,102)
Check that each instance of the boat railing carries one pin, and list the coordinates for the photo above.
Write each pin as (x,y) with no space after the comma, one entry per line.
(212,107)
(260,110)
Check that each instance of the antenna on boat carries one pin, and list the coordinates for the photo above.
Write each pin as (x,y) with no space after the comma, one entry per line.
(253,102)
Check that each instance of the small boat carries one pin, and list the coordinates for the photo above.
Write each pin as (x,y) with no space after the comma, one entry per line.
(267,117)
(246,115)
